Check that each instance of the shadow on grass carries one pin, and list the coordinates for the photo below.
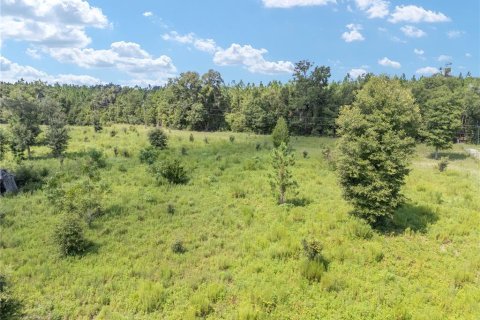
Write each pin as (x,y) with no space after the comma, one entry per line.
(299,202)
(408,216)
(452,156)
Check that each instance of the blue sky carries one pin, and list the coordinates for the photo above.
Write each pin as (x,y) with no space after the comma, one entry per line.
(146,42)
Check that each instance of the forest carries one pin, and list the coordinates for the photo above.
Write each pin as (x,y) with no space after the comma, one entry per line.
(310,102)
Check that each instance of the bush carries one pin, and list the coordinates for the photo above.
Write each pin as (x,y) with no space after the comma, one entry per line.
(171,170)
(29,179)
(205,140)
(183,151)
(178,247)
(232,139)
(170,209)
(158,138)
(258,146)
(191,137)
(9,307)
(113,133)
(3,144)
(69,237)
(149,155)
(96,159)
(305,154)
(280,133)
(442,164)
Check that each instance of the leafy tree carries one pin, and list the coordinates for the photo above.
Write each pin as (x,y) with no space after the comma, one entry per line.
(158,138)
(442,119)
(280,133)
(57,132)
(281,179)
(24,121)
(170,170)
(377,139)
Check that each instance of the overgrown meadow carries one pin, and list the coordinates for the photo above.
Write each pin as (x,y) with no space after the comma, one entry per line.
(241,254)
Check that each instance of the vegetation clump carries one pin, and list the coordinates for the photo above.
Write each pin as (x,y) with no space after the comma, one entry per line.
(171,170)
(158,138)
(68,236)
(442,164)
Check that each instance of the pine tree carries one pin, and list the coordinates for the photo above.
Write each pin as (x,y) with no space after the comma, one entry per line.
(280,133)
(281,179)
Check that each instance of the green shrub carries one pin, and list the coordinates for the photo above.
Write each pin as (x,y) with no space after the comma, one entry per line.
(280,133)
(232,139)
(113,133)
(158,138)
(68,236)
(29,178)
(171,170)
(9,306)
(178,247)
(191,138)
(305,154)
(96,159)
(149,155)
(3,144)
(205,140)
(170,209)
(258,146)
(442,164)
(183,151)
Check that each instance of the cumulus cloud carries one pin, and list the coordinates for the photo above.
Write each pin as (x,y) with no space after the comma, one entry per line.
(420,52)
(354,33)
(252,59)
(444,58)
(12,72)
(389,63)
(50,23)
(357,72)
(244,55)
(413,32)
(295,3)
(415,14)
(373,8)
(206,45)
(427,70)
(126,57)
(148,14)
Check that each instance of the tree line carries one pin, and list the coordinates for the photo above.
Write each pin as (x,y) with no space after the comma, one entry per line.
(309,102)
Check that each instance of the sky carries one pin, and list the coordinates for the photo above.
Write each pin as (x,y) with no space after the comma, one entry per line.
(146,42)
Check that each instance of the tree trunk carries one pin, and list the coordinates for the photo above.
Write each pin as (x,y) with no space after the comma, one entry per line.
(436,153)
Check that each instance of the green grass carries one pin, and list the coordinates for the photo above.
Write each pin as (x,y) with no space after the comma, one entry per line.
(244,256)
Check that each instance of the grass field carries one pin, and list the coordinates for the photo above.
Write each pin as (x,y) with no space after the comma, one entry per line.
(244,257)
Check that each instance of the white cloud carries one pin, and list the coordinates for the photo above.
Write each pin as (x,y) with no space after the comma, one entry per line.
(444,58)
(51,23)
(148,14)
(427,70)
(468,55)
(252,59)
(389,63)
(452,34)
(354,33)
(295,3)
(175,36)
(374,8)
(205,45)
(420,52)
(416,14)
(413,32)
(357,72)
(124,56)
(33,53)
(12,72)
(245,55)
